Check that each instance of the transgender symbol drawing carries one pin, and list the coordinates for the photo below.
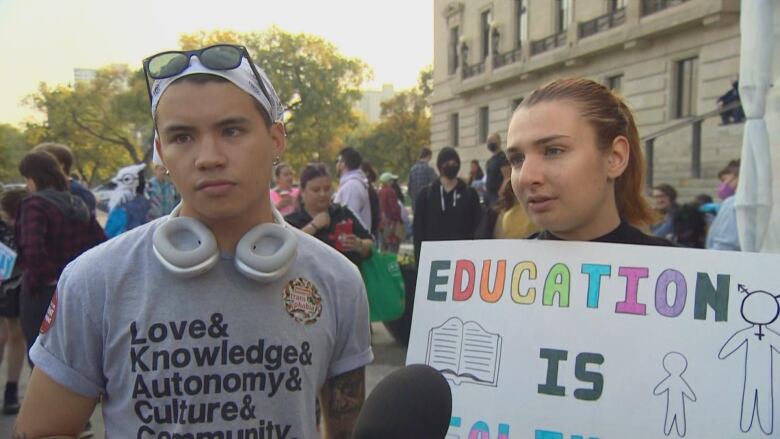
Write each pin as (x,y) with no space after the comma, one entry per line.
(677,390)
(759,308)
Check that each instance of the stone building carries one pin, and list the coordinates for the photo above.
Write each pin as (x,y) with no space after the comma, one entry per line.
(670,59)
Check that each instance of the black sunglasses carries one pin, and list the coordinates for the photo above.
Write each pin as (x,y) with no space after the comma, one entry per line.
(218,57)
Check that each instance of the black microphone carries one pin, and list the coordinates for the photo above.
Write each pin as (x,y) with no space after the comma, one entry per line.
(414,402)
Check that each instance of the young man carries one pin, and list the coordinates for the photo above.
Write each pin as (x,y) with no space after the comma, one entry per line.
(448,209)
(421,174)
(497,170)
(218,354)
(353,186)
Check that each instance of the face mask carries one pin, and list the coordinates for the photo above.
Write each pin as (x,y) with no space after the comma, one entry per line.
(450,171)
(492,146)
(725,190)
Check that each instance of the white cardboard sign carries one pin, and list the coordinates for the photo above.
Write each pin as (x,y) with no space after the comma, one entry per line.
(564,340)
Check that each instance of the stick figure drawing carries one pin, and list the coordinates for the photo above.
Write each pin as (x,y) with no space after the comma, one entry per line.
(759,308)
(677,390)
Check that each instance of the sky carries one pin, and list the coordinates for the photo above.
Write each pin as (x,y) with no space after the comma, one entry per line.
(44,40)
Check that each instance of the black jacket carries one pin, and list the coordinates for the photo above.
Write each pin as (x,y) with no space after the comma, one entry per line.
(623,234)
(445,216)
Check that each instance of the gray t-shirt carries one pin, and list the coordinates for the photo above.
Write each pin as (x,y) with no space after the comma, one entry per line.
(219,354)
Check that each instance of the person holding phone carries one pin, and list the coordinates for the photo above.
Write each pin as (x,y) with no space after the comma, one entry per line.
(577,165)
(329,222)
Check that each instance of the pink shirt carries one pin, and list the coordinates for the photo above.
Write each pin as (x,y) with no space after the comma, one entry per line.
(276,198)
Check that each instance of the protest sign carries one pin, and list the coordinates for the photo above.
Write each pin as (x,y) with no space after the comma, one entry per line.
(7,261)
(551,340)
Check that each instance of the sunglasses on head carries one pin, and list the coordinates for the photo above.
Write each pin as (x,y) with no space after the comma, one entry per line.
(218,57)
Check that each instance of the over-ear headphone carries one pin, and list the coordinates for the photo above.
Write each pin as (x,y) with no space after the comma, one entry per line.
(187,248)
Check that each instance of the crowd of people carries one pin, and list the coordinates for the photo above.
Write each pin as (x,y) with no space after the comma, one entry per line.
(242,255)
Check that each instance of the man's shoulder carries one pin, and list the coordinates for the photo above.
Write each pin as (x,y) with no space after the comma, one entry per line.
(117,254)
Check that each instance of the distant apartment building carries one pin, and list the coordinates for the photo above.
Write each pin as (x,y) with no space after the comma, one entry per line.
(670,59)
(84,75)
(370,104)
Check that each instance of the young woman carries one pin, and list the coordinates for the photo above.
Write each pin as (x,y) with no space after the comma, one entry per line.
(577,166)
(53,227)
(329,222)
(284,195)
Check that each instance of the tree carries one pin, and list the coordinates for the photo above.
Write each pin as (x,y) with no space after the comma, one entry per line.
(315,82)
(394,143)
(12,148)
(104,121)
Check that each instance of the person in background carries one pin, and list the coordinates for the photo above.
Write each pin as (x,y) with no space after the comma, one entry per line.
(353,185)
(665,203)
(128,208)
(65,158)
(496,169)
(330,222)
(404,211)
(475,173)
(284,195)
(161,192)
(477,178)
(723,234)
(734,115)
(689,226)
(373,196)
(506,219)
(391,228)
(707,207)
(12,338)
(448,209)
(421,175)
(577,164)
(52,228)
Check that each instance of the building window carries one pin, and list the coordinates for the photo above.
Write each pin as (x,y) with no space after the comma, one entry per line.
(615,83)
(519,22)
(484,122)
(516,103)
(614,5)
(454,129)
(453,50)
(484,29)
(685,87)
(561,15)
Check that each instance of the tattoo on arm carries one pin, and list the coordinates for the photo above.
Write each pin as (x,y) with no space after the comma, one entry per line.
(343,397)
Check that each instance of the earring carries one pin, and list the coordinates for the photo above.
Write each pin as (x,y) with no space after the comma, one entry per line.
(276,161)
(167,172)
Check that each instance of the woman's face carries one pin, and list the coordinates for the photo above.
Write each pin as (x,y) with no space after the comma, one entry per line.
(316,195)
(661,201)
(562,178)
(285,178)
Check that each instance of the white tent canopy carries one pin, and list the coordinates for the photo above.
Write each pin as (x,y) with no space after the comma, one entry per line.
(758,212)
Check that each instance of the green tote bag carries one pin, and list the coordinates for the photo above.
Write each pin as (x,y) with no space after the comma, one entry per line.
(384,284)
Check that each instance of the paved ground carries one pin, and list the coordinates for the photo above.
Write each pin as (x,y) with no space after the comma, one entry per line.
(388,354)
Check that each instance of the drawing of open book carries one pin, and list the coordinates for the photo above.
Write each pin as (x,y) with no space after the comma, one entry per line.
(464,352)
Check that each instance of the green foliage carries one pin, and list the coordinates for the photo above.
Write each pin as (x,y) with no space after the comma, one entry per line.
(104,121)
(394,143)
(107,124)
(12,148)
(316,83)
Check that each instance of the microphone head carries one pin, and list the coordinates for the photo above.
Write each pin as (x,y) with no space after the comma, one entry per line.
(414,402)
